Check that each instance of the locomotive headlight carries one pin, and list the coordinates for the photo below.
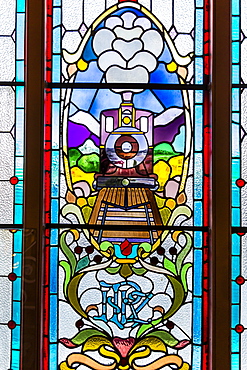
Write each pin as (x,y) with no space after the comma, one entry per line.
(126,120)
(126,147)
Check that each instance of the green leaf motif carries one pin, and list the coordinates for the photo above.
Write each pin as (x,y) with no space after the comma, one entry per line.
(83,335)
(166,337)
(113,270)
(145,327)
(169,265)
(184,274)
(178,297)
(82,263)
(139,271)
(68,253)
(184,252)
(67,271)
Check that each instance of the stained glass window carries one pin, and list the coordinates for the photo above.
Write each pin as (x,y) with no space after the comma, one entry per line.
(127,185)
(239,325)
(12,27)
(127,176)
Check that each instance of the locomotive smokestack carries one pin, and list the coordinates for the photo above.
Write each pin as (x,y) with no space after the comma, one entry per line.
(127,96)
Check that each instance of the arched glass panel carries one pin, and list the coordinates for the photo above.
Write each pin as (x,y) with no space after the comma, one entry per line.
(127,144)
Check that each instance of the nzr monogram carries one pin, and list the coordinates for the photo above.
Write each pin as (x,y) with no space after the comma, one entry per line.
(122,302)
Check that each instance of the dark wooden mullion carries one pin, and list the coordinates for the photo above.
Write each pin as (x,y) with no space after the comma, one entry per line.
(221,185)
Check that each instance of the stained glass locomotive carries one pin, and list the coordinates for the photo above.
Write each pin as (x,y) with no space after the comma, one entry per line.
(126,147)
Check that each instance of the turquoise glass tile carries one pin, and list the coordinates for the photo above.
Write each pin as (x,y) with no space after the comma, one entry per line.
(19,166)
(54,236)
(235,28)
(53,356)
(18,214)
(56,68)
(235,316)
(20,35)
(197,358)
(197,285)
(199,3)
(55,174)
(198,127)
(235,169)
(19,132)
(235,293)
(235,140)
(235,99)
(235,74)
(56,17)
(17,312)
(235,52)
(53,319)
(56,95)
(199,32)
(55,125)
(236,117)
(20,70)
(19,192)
(198,70)
(236,243)
(235,196)
(20,96)
(235,267)
(17,289)
(235,7)
(198,213)
(235,217)
(54,211)
(235,361)
(197,239)
(20,6)
(198,96)
(198,164)
(16,337)
(197,320)
(235,341)
(53,269)
(15,360)
(18,241)
(17,264)
(56,44)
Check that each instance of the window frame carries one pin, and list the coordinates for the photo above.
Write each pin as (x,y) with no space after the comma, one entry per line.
(220,235)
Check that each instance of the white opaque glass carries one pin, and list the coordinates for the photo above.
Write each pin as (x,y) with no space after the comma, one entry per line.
(92,10)
(184,15)
(72,14)
(71,41)
(5,299)
(5,347)
(6,156)
(7,17)
(6,252)
(163,13)
(6,202)
(7,58)
(244,60)
(6,108)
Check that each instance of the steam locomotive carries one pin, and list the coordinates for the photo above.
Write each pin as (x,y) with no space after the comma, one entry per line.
(126,148)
